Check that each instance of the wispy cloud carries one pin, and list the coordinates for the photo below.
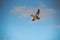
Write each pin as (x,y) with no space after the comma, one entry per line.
(25,11)
(58,26)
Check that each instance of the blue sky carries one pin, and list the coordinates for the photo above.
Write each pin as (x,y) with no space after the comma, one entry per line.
(17,24)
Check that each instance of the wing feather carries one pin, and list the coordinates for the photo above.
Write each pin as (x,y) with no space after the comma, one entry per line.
(38,12)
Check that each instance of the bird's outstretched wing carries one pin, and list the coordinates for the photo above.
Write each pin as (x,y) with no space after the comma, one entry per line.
(38,12)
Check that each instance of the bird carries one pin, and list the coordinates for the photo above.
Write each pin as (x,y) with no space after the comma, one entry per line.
(36,16)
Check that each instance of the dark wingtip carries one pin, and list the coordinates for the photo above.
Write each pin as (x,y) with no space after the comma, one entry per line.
(33,20)
(31,15)
(38,9)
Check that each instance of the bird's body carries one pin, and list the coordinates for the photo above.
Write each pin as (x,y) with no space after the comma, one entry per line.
(36,16)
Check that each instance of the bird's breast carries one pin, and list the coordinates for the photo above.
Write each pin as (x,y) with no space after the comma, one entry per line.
(34,17)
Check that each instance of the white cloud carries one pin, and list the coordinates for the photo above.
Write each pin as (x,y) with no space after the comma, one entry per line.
(25,11)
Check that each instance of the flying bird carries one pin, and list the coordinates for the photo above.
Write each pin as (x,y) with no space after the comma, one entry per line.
(36,16)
